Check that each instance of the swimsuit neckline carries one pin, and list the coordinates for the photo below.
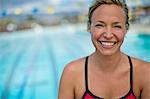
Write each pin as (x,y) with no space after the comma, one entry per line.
(91,94)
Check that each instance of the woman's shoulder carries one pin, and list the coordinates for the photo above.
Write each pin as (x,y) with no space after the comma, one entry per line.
(70,78)
(141,69)
(141,73)
(142,76)
(141,64)
(75,67)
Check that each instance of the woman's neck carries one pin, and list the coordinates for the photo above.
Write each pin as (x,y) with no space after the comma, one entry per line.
(107,63)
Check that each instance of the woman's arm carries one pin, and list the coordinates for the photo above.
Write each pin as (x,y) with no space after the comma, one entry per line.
(66,88)
(146,83)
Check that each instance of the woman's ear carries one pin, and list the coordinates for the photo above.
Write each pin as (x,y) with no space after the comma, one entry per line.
(89,30)
(127,27)
(89,27)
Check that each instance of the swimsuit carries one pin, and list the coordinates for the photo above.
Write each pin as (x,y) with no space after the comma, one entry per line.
(89,95)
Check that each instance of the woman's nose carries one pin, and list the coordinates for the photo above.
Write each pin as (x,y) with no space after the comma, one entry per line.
(108,34)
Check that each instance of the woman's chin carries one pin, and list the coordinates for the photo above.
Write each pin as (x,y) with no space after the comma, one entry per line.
(108,51)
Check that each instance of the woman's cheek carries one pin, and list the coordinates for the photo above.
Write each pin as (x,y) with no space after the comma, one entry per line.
(96,33)
(120,35)
(93,33)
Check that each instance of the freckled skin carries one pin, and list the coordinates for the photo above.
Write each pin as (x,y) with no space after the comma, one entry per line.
(109,16)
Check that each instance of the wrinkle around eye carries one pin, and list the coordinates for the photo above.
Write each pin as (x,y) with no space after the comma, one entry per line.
(99,25)
(118,27)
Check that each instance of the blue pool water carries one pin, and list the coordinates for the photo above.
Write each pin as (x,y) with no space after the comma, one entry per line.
(31,61)
(137,45)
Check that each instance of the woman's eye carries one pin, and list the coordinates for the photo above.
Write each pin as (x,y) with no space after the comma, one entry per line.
(99,25)
(118,26)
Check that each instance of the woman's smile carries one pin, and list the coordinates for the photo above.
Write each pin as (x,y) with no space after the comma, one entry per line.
(108,29)
(108,44)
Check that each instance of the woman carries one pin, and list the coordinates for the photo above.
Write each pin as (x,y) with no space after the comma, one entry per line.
(107,73)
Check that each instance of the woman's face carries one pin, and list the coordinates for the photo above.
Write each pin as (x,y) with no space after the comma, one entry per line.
(108,28)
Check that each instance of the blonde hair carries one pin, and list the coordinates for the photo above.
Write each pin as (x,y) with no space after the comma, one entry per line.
(98,3)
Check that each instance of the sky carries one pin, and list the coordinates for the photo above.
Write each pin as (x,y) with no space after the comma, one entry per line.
(41,3)
(28,6)
(13,3)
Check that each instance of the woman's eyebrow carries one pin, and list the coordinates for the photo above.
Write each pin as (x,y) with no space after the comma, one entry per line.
(101,21)
(116,22)
(113,22)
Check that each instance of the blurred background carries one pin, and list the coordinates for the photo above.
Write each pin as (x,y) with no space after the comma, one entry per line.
(39,37)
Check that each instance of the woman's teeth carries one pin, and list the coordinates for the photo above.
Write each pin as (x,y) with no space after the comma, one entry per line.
(107,44)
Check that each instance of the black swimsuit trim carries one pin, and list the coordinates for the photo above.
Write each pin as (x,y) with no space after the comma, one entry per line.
(86,81)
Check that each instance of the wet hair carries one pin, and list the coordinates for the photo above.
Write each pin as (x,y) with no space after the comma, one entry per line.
(98,3)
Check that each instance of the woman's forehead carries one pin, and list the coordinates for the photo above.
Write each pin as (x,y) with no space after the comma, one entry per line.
(109,11)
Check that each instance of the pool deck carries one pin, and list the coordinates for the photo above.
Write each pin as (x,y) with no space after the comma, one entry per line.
(140,28)
(136,28)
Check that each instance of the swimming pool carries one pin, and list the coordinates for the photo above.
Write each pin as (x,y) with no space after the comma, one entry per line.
(31,61)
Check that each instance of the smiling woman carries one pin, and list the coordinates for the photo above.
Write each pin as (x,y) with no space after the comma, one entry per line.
(108,28)
(106,69)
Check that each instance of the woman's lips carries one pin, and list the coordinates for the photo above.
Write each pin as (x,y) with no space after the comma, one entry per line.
(108,44)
